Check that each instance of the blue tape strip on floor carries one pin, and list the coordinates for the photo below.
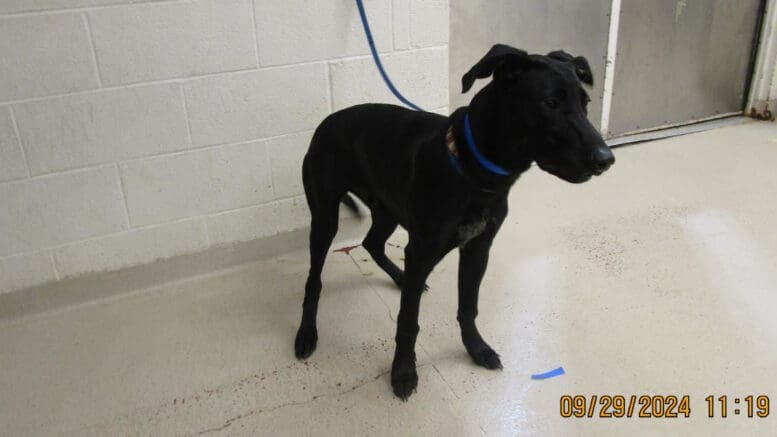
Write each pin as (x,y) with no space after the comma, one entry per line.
(550,374)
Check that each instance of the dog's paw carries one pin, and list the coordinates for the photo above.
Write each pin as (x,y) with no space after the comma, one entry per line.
(305,343)
(487,358)
(404,382)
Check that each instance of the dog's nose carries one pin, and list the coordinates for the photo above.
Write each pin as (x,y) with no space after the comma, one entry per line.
(602,159)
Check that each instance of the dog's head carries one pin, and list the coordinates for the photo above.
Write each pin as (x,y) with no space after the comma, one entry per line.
(541,99)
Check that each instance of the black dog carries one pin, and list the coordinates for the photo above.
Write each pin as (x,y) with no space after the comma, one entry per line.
(446,180)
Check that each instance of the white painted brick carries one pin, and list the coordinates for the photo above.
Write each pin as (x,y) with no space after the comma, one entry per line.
(429,22)
(12,165)
(26,270)
(259,221)
(167,40)
(293,214)
(9,6)
(131,248)
(442,111)
(420,75)
(44,55)
(260,104)
(401,18)
(303,30)
(243,225)
(58,209)
(105,126)
(192,183)
(80,214)
(286,155)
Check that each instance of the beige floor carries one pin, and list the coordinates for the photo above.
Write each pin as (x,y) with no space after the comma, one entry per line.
(658,278)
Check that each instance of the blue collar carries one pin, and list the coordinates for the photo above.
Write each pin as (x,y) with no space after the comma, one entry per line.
(485,162)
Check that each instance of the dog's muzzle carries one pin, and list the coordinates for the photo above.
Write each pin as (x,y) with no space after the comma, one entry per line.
(602,159)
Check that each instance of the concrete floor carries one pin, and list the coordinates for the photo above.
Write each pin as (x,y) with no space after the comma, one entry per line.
(658,278)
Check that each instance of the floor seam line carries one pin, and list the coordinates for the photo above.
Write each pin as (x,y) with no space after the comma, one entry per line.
(234,419)
(431,360)
(374,291)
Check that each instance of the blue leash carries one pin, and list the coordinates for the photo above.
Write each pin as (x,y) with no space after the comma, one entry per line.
(376,58)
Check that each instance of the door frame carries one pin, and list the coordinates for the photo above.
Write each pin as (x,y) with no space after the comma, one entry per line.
(762,94)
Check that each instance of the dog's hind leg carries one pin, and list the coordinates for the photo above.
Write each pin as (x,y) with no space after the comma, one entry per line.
(324,205)
(375,243)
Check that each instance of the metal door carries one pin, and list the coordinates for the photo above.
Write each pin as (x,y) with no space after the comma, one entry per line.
(680,61)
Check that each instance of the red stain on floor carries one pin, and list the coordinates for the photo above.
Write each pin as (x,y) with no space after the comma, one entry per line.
(346,250)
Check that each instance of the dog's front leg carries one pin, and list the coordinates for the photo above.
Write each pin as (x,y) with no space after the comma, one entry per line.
(418,264)
(473,259)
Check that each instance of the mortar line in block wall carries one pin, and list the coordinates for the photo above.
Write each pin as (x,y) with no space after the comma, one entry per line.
(409,30)
(77,9)
(217,146)
(113,234)
(57,276)
(331,93)
(387,53)
(59,172)
(392,12)
(127,231)
(159,155)
(189,136)
(185,80)
(88,24)
(268,161)
(123,196)
(175,80)
(204,221)
(418,49)
(256,36)
(245,208)
(18,134)
(205,216)
(609,69)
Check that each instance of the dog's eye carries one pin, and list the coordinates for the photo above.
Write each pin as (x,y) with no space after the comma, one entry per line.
(551,103)
(586,100)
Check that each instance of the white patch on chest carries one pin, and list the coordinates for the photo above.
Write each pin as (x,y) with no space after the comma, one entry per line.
(468,231)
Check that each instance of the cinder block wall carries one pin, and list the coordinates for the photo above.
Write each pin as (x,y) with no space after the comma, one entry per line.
(135,130)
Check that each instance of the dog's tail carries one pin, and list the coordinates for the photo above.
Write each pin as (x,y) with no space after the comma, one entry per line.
(351,204)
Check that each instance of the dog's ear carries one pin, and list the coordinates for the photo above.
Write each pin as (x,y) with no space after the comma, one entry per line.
(582,69)
(499,56)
